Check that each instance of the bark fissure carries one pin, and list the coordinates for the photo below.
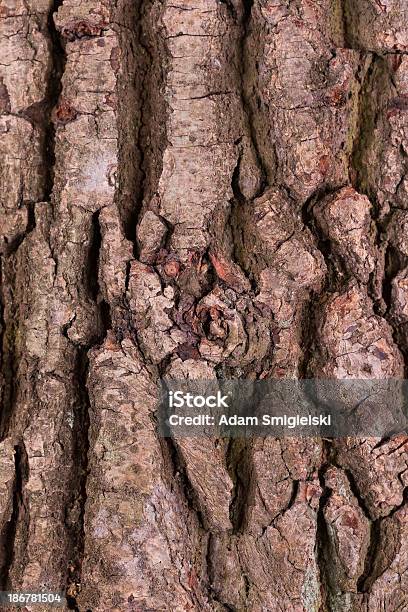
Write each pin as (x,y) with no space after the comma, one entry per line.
(213,595)
(7,537)
(40,115)
(53,92)
(238,463)
(244,67)
(322,550)
(367,578)
(80,431)
(133,118)
(378,90)
(8,365)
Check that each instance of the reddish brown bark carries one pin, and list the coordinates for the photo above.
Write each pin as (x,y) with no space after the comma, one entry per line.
(208,189)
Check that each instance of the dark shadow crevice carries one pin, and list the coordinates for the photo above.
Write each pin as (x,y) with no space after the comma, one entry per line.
(8,535)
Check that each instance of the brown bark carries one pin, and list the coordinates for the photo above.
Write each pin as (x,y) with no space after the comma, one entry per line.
(199,189)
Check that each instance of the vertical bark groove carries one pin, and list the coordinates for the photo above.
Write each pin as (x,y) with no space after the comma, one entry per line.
(18,510)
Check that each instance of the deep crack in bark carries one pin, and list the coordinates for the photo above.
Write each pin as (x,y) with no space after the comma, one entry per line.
(7,537)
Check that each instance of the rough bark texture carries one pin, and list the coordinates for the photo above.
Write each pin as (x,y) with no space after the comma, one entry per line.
(199,189)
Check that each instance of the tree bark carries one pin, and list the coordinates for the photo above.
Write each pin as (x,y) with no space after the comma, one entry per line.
(199,189)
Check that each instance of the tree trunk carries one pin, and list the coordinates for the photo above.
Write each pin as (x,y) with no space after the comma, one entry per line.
(204,189)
